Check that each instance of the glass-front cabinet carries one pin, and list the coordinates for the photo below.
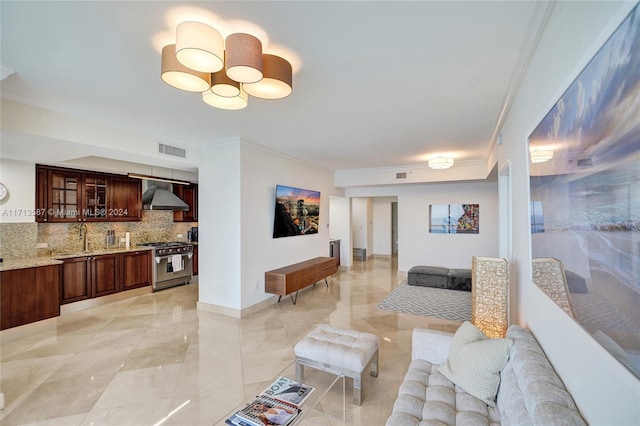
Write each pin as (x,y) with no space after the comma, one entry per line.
(69,195)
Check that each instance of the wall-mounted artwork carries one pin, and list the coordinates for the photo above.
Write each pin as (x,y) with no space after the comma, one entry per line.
(454,218)
(585,192)
(297,212)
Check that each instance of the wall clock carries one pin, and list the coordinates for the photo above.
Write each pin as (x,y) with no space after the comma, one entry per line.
(3,191)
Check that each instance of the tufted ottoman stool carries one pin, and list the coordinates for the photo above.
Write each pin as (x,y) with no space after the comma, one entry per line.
(348,351)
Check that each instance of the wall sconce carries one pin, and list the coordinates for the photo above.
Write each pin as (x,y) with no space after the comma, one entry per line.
(440,163)
(541,156)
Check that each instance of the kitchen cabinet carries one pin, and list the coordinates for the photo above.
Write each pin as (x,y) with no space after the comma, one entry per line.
(89,276)
(188,194)
(69,195)
(29,295)
(194,264)
(135,270)
(75,280)
(125,199)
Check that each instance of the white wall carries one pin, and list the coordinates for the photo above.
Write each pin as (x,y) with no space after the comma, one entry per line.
(20,179)
(416,245)
(605,392)
(237,206)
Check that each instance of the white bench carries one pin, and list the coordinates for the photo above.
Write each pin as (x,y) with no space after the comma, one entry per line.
(349,352)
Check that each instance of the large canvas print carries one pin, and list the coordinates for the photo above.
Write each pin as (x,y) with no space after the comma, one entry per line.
(297,212)
(585,199)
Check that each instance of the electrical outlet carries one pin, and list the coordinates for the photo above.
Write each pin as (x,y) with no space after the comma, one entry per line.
(179,235)
(123,240)
(42,245)
(257,285)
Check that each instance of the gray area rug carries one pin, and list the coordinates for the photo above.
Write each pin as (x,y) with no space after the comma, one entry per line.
(440,303)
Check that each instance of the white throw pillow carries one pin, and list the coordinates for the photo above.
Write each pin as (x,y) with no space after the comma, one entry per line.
(475,361)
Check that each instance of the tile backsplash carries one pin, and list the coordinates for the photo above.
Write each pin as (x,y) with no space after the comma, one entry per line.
(20,240)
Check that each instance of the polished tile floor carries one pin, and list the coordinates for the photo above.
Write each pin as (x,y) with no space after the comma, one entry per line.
(154,359)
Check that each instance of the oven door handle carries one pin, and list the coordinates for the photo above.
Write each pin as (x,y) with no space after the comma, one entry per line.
(168,257)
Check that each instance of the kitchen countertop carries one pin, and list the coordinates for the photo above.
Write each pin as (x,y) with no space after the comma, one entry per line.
(57,258)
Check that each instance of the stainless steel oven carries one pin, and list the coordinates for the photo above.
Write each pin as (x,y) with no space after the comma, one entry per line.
(173,264)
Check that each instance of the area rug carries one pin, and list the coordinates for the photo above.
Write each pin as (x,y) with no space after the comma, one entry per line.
(440,303)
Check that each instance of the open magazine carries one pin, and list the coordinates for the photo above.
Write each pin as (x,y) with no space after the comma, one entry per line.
(276,405)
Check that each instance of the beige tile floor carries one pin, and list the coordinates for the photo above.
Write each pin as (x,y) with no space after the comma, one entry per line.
(154,359)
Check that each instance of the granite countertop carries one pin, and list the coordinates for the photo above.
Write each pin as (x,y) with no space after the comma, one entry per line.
(57,258)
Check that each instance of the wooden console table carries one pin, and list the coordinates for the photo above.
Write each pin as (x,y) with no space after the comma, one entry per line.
(292,278)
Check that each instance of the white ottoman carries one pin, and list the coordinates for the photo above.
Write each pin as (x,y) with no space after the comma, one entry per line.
(349,352)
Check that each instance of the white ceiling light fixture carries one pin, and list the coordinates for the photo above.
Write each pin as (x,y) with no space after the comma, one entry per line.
(199,47)
(540,156)
(441,163)
(227,71)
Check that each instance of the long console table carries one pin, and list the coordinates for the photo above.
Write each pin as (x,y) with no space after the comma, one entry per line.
(292,278)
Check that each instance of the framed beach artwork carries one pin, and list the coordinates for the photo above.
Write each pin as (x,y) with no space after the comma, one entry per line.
(585,193)
(454,218)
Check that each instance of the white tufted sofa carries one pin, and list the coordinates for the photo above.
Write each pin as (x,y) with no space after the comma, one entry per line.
(530,392)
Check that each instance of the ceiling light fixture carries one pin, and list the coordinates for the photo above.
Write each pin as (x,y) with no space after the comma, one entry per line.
(177,75)
(226,102)
(541,156)
(277,81)
(441,163)
(199,47)
(227,71)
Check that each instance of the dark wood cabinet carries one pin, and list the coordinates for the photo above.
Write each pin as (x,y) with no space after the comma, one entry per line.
(125,199)
(75,280)
(135,270)
(104,275)
(94,276)
(69,195)
(29,295)
(188,194)
(195,260)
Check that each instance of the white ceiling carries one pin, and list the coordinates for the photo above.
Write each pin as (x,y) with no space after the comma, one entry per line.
(376,84)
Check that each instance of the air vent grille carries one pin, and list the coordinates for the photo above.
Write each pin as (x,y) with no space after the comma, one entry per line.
(585,162)
(401,175)
(172,150)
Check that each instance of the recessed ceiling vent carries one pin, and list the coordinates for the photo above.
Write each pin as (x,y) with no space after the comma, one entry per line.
(172,150)
(585,163)
(402,175)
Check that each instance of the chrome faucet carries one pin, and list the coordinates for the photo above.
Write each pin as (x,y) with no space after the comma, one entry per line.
(83,236)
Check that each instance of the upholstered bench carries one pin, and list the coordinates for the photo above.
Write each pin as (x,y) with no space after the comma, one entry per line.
(438,277)
(349,352)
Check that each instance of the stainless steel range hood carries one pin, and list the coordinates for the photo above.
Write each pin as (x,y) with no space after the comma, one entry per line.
(158,196)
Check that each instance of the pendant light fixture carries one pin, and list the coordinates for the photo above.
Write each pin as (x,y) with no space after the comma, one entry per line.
(199,47)
(226,102)
(277,79)
(243,58)
(177,75)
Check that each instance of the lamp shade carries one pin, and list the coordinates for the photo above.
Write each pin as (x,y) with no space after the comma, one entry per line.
(276,81)
(177,75)
(243,58)
(541,156)
(222,85)
(441,163)
(199,47)
(224,102)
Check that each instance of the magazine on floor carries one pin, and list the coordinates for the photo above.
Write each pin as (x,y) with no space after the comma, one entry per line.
(264,411)
(290,391)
